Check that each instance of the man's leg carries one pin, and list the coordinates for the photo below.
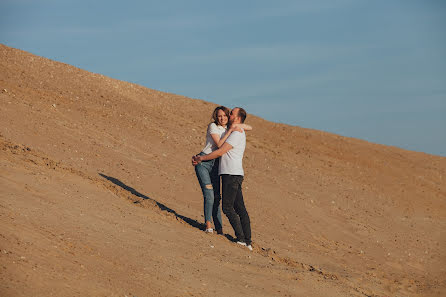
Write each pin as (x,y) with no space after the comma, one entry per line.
(230,185)
(240,209)
(216,213)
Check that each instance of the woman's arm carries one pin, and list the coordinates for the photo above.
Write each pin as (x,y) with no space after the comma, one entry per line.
(244,126)
(219,141)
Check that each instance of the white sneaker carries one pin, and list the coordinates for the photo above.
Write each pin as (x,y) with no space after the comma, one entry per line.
(241,243)
(244,244)
(209,230)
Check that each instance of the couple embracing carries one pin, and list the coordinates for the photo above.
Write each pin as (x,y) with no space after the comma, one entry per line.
(222,157)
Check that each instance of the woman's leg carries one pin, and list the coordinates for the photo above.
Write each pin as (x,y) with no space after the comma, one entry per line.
(203,171)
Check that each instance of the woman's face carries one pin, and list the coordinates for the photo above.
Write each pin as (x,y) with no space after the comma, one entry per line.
(222,118)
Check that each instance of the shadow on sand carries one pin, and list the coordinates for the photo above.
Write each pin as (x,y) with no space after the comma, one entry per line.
(191,222)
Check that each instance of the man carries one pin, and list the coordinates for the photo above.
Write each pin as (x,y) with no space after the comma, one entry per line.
(231,172)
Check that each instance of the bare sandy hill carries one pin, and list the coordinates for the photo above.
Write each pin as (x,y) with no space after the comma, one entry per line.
(98,198)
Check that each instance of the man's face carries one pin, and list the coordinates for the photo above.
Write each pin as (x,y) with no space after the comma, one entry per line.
(233,116)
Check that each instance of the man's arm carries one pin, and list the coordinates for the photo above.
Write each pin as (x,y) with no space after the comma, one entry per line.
(214,155)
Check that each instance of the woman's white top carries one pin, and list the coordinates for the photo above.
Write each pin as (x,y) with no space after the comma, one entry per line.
(210,144)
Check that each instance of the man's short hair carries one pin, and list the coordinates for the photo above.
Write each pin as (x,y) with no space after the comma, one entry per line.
(241,114)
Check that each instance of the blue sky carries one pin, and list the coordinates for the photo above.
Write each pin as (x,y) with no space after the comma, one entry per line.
(374,70)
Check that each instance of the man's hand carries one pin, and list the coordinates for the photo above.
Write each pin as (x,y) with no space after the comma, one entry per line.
(196,160)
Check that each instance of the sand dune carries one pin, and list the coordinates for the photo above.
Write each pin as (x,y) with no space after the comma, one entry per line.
(98,198)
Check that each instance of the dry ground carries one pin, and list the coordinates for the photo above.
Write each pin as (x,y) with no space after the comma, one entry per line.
(98,198)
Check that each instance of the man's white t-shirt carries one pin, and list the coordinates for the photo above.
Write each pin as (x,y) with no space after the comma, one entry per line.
(210,144)
(232,162)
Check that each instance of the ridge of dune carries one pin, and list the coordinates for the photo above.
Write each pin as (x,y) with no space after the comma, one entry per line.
(331,215)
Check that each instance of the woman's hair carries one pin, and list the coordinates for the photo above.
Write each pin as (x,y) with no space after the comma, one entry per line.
(215,113)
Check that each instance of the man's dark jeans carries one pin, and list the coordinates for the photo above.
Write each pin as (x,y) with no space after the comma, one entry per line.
(234,207)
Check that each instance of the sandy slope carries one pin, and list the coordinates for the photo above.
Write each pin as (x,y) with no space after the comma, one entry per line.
(98,198)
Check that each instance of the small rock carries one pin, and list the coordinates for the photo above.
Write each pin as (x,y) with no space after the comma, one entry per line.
(54,105)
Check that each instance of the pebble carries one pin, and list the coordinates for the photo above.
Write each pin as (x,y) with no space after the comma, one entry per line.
(54,105)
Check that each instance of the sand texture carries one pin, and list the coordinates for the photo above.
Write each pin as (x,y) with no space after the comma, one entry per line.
(98,197)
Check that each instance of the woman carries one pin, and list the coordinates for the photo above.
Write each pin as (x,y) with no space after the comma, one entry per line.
(207,171)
